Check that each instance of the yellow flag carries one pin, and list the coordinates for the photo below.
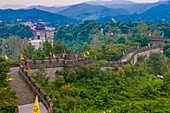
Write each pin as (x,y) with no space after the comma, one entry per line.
(84,55)
(53,55)
(88,53)
(148,44)
(64,51)
(6,57)
(130,54)
(22,58)
(9,78)
(149,34)
(63,56)
(123,53)
(36,108)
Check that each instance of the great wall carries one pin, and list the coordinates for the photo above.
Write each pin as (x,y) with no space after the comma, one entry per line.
(70,62)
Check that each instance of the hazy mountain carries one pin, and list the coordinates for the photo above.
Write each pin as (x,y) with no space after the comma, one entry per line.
(87,12)
(163,0)
(17,6)
(152,15)
(49,9)
(33,15)
(101,2)
(136,7)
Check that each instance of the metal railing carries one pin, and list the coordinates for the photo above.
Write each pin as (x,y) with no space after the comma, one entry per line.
(41,98)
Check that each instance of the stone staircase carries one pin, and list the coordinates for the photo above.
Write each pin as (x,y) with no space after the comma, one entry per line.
(22,89)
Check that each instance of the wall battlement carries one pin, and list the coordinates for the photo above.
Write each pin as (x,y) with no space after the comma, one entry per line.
(70,62)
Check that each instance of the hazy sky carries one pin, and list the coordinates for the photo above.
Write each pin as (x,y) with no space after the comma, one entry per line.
(53,2)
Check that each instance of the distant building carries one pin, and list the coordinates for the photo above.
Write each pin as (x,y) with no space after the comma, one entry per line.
(101,30)
(111,34)
(41,33)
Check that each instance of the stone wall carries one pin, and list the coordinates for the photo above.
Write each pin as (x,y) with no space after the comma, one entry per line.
(38,88)
(145,51)
(69,62)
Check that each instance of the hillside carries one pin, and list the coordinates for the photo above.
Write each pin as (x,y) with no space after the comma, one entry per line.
(152,15)
(49,9)
(34,15)
(87,12)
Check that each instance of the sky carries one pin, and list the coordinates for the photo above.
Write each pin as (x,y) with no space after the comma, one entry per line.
(53,2)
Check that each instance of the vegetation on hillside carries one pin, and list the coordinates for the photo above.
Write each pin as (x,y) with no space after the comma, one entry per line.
(20,30)
(34,15)
(88,89)
(12,47)
(8,100)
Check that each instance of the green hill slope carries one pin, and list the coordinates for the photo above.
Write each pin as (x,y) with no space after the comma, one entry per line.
(34,15)
(86,12)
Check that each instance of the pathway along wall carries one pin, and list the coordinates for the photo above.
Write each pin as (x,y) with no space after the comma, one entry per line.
(145,51)
(39,92)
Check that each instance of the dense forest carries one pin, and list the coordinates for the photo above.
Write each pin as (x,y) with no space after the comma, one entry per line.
(20,30)
(88,89)
(130,35)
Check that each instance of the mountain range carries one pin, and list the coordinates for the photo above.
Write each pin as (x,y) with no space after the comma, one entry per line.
(34,15)
(152,15)
(87,12)
(99,10)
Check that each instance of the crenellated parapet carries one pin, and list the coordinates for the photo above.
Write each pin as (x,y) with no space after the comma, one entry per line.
(156,40)
(70,63)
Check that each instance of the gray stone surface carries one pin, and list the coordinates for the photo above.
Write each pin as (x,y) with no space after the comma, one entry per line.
(51,72)
(23,91)
(147,53)
(29,108)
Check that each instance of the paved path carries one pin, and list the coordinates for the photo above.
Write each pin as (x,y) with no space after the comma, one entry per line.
(23,91)
(29,108)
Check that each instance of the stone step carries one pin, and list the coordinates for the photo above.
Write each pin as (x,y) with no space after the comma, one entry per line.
(22,89)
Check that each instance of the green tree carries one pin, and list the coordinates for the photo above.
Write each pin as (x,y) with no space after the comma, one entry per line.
(4,69)
(47,48)
(59,48)
(85,47)
(29,52)
(155,61)
(13,47)
(128,70)
(142,27)
(8,100)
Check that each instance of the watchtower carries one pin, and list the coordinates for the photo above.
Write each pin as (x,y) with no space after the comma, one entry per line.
(156,40)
